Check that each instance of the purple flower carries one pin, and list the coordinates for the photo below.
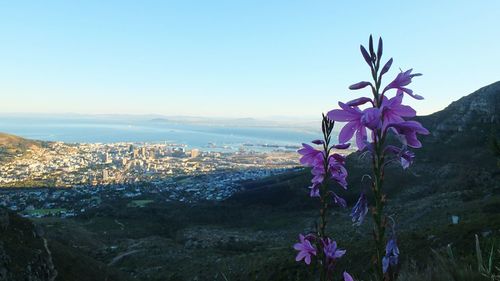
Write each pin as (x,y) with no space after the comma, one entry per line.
(318,173)
(360,210)
(393,111)
(391,254)
(310,155)
(337,170)
(339,200)
(405,156)
(403,79)
(357,122)
(347,277)
(371,118)
(305,249)
(314,189)
(331,250)
(409,130)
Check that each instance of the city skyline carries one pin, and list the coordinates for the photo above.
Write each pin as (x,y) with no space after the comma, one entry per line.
(234,59)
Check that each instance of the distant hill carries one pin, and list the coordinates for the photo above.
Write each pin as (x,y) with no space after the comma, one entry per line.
(11,145)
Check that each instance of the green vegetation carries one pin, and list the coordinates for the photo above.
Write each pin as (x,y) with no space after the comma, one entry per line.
(44,212)
(139,203)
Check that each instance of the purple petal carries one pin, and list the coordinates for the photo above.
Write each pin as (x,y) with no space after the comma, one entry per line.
(298,247)
(386,67)
(411,94)
(359,101)
(361,137)
(318,142)
(308,259)
(337,157)
(359,85)
(339,253)
(300,256)
(339,200)
(348,131)
(412,141)
(385,264)
(341,115)
(380,48)
(405,111)
(342,146)
(314,190)
(366,56)
(370,47)
(371,118)
(347,277)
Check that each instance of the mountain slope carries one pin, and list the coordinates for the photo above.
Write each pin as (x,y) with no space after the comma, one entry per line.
(27,254)
(11,145)
(465,128)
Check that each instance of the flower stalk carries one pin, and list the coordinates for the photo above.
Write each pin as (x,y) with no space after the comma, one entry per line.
(370,125)
(327,167)
(383,117)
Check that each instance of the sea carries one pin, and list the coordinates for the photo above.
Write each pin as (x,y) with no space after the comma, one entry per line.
(205,136)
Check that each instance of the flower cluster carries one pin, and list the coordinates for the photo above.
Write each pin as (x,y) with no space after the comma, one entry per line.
(326,167)
(371,121)
(307,249)
(381,116)
(322,166)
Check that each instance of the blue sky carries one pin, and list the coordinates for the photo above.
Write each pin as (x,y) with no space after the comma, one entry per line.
(235,58)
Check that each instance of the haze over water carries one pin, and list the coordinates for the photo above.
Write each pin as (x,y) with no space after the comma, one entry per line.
(108,130)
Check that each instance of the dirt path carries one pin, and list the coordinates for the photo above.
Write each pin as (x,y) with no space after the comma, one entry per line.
(122,226)
(51,264)
(120,256)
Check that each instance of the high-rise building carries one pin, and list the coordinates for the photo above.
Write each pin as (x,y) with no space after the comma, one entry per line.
(195,153)
(105,175)
(106,158)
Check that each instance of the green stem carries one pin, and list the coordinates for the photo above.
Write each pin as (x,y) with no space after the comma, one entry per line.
(324,208)
(378,216)
(378,174)
(323,211)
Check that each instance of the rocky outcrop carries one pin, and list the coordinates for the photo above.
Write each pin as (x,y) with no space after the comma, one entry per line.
(476,111)
(24,252)
(4,219)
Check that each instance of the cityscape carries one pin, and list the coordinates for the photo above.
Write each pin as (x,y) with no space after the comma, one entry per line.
(59,179)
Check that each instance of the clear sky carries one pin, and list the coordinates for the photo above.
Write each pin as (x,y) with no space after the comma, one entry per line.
(254,58)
